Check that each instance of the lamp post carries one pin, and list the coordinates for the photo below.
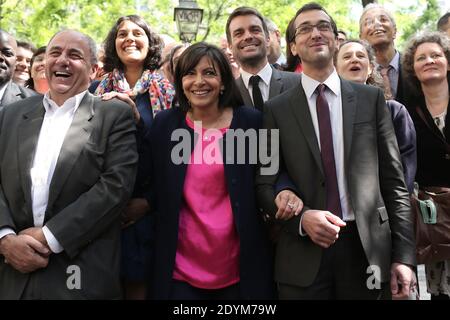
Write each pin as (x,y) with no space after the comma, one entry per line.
(188,17)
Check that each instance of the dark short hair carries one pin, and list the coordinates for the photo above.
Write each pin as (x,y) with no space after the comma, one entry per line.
(443,21)
(41,50)
(315,6)
(414,42)
(190,58)
(26,45)
(155,44)
(343,32)
(172,53)
(291,61)
(245,11)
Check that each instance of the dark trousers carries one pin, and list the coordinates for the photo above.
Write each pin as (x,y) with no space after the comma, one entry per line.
(342,273)
(184,291)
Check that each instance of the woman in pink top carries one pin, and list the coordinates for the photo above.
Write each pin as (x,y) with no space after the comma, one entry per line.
(210,239)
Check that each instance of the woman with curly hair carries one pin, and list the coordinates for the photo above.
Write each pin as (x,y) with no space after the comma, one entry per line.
(426,67)
(132,58)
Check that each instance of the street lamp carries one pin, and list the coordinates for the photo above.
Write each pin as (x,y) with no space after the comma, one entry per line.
(188,17)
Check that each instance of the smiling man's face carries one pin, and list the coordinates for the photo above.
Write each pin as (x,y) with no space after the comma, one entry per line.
(68,68)
(377,28)
(8,47)
(249,42)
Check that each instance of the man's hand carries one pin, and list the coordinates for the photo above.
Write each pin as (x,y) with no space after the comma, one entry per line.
(288,205)
(37,234)
(403,281)
(136,209)
(125,98)
(24,253)
(322,227)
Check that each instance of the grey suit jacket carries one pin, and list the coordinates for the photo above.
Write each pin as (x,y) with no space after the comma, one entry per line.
(13,93)
(373,169)
(280,82)
(92,182)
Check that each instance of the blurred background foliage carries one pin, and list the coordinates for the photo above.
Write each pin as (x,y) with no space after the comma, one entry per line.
(38,20)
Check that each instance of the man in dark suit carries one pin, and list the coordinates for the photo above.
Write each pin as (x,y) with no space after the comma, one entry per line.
(248,38)
(377,26)
(68,164)
(9,91)
(338,146)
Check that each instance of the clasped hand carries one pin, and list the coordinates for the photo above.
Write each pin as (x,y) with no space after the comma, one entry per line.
(27,251)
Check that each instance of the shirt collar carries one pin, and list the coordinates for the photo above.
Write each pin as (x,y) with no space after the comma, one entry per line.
(3,89)
(281,59)
(333,82)
(265,74)
(395,62)
(70,104)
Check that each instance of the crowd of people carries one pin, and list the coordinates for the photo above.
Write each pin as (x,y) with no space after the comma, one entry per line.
(123,174)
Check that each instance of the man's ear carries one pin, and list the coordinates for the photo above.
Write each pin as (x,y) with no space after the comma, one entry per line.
(93,73)
(293,49)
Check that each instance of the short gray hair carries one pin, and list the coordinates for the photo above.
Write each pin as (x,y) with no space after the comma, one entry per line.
(271,26)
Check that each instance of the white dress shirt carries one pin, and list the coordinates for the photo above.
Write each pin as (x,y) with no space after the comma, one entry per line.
(334,99)
(264,84)
(57,121)
(2,91)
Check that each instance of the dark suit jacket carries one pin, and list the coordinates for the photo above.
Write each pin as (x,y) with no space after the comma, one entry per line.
(92,182)
(167,180)
(280,82)
(403,95)
(15,93)
(374,175)
(406,139)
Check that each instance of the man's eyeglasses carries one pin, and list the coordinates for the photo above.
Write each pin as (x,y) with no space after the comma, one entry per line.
(322,26)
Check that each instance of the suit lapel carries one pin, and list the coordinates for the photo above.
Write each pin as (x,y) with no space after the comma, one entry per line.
(10,95)
(348,115)
(275,83)
(28,135)
(76,137)
(299,106)
(244,92)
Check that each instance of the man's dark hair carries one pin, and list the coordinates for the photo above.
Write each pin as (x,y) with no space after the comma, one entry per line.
(155,44)
(443,21)
(26,45)
(230,96)
(245,11)
(315,6)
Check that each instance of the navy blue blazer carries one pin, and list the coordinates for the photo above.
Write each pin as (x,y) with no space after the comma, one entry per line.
(165,198)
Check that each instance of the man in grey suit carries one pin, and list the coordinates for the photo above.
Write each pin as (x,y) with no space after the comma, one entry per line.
(337,144)
(9,91)
(248,38)
(67,168)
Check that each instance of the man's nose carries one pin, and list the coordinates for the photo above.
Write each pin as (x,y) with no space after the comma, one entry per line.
(315,33)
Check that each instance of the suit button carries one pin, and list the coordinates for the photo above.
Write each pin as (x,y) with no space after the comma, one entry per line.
(236,204)
(447,156)
(233,181)
(322,183)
